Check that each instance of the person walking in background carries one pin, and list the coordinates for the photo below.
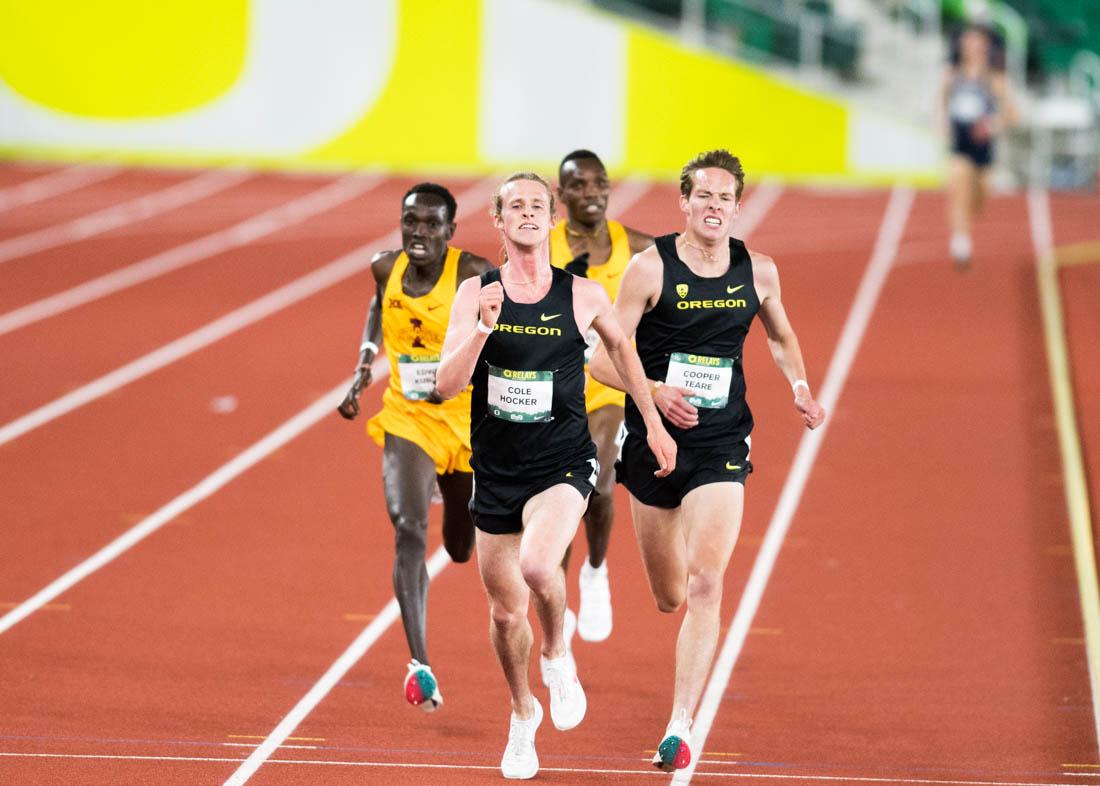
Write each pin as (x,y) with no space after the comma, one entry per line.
(977,105)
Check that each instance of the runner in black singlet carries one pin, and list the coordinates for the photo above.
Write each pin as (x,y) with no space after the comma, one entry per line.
(518,333)
(689,301)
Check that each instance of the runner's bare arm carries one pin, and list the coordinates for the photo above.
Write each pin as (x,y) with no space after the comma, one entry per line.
(473,316)
(1007,113)
(470,265)
(782,340)
(592,302)
(639,241)
(638,293)
(381,265)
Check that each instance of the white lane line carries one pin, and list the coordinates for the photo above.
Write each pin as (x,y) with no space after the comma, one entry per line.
(758,204)
(625,195)
(243,233)
(323,407)
(874,278)
(340,667)
(596,770)
(53,184)
(116,216)
(277,300)
(1069,438)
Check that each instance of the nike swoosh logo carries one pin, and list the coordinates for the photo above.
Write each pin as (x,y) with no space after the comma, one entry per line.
(732,466)
(433,308)
(545,318)
(568,474)
(731,290)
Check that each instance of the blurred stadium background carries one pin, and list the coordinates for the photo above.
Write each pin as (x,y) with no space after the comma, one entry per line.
(837,89)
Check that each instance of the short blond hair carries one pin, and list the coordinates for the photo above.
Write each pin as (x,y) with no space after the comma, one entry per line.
(713,159)
(496,204)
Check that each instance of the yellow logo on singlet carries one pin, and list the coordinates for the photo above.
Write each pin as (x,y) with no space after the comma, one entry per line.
(682,290)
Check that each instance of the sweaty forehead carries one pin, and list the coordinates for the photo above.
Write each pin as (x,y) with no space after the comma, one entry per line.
(713,179)
(581,167)
(423,203)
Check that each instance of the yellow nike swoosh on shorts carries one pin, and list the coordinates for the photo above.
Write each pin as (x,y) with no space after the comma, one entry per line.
(545,318)
(568,474)
(732,466)
(731,290)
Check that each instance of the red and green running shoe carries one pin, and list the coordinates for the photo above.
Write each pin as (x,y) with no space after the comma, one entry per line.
(674,752)
(421,687)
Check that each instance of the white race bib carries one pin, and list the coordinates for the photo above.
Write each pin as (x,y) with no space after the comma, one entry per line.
(417,374)
(521,396)
(708,379)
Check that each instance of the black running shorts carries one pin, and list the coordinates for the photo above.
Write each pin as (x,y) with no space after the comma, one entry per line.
(497,504)
(695,467)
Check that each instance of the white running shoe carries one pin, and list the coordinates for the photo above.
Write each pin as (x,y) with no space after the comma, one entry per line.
(594,620)
(521,760)
(568,703)
(569,627)
(960,249)
(674,752)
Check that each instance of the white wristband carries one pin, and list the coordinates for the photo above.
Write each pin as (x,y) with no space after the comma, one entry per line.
(483,328)
(369,345)
(800,383)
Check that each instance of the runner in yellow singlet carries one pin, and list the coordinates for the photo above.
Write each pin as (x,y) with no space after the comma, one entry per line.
(425,440)
(588,244)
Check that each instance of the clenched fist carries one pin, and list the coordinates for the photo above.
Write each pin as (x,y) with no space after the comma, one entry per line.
(489,302)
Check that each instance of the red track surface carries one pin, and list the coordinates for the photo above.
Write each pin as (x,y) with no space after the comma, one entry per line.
(922,620)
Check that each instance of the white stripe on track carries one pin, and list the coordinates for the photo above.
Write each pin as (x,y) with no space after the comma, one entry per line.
(870,287)
(277,300)
(342,665)
(116,216)
(580,770)
(758,204)
(53,184)
(243,233)
(323,407)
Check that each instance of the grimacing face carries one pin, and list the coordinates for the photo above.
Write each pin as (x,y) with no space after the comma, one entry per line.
(584,190)
(712,205)
(525,216)
(425,230)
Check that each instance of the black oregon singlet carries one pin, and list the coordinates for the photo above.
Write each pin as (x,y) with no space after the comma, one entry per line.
(527,410)
(693,337)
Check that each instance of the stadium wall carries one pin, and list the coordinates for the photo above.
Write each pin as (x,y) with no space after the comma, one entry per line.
(412,85)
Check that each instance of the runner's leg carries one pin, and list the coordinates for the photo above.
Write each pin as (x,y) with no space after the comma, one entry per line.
(498,561)
(660,536)
(458,527)
(408,476)
(712,520)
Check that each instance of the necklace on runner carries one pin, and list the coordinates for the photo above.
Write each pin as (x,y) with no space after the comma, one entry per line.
(527,281)
(570,231)
(708,256)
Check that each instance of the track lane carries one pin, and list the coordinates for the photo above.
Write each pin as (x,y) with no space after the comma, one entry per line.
(33,277)
(21,225)
(137,321)
(927,630)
